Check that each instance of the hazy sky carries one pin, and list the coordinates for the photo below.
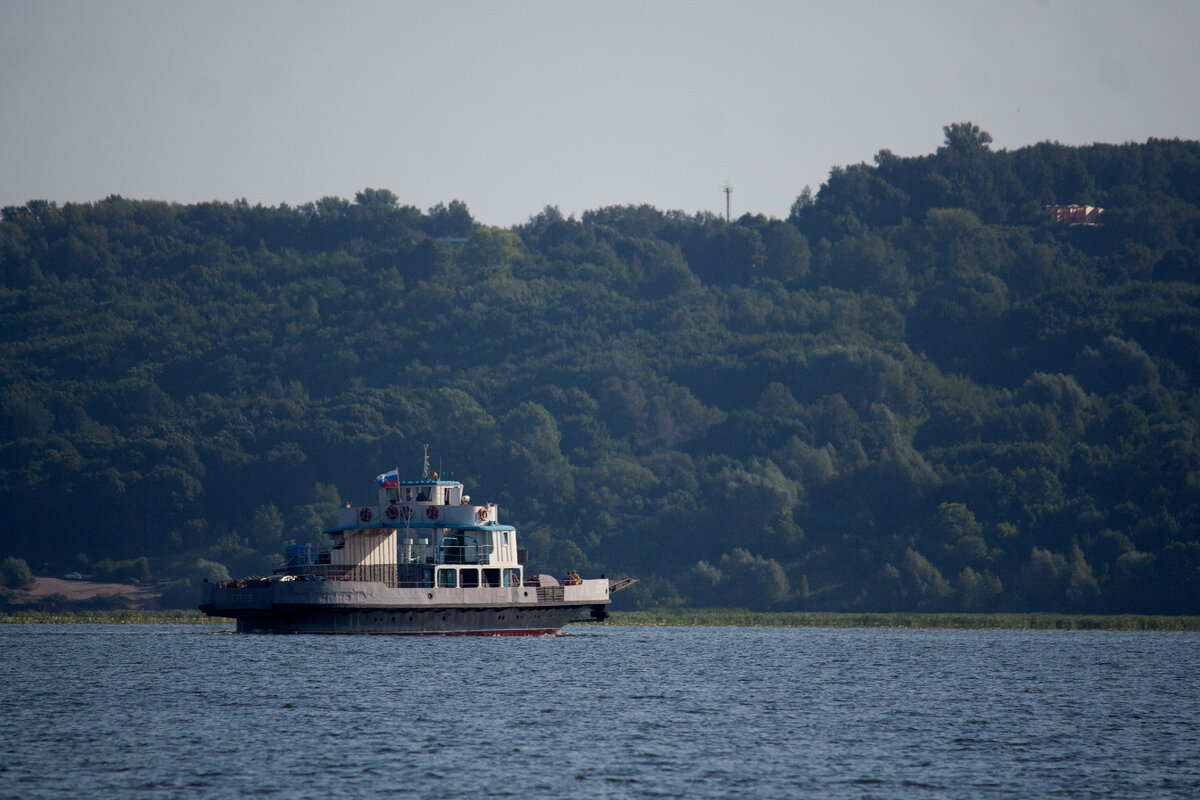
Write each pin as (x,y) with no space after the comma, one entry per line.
(512,106)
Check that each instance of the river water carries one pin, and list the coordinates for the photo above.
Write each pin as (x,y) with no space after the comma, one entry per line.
(165,711)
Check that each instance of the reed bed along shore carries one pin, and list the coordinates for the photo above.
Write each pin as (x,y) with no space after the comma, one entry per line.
(820,619)
(721,617)
(113,616)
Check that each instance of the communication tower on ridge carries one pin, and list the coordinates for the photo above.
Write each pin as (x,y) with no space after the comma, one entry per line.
(727,189)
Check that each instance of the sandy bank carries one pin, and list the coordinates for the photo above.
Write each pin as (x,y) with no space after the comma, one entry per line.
(139,595)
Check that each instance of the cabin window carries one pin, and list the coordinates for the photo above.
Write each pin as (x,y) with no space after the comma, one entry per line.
(447,578)
(512,577)
(408,493)
(446,497)
(506,538)
(470,578)
(393,494)
(491,577)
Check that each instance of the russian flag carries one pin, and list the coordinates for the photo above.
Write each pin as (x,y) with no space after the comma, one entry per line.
(389,479)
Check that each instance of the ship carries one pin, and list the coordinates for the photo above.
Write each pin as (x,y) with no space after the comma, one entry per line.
(422,558)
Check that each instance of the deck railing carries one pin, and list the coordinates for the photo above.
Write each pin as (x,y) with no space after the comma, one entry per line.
(385,574)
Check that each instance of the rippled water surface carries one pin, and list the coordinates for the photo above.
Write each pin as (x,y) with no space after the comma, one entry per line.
(196,711)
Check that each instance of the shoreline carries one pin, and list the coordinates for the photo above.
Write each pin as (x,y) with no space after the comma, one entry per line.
(738,618)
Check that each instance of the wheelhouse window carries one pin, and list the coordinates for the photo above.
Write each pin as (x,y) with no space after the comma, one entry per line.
(491,577)
(470,578)
(447,579)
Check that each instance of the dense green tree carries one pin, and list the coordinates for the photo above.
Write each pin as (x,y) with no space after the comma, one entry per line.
(786,253)
(740,579)
(966,138)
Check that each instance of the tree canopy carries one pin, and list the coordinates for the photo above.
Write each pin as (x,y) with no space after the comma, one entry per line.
(916,392)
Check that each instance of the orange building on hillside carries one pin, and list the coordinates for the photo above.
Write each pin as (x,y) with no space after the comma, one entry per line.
(1074,214)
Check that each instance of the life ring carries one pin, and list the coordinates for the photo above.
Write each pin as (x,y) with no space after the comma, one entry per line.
(406,512)
(483,514)
(392,512)
(364,514)
(431,512)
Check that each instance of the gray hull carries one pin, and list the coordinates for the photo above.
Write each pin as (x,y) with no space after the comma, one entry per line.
(339,607)
(434,621)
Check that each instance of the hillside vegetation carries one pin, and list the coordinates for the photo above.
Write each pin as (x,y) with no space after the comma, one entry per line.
(917,393)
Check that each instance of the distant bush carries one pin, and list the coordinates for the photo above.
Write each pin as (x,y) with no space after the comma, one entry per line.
(15,574)
(209,569)
(180,594)
(110,570)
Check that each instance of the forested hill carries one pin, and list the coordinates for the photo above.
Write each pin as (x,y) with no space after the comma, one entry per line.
(916,392)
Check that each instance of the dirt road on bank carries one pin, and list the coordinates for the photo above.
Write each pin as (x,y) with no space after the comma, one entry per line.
(140,595)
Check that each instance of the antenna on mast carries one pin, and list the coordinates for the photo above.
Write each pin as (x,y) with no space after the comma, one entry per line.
(727,189)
